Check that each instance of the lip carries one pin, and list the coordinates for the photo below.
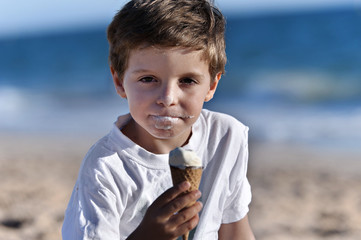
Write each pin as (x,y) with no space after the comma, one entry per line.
(171,117)
(166,117)
(164,122)
(167,121)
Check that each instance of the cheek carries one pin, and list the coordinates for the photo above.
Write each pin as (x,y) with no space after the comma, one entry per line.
(139,103)
(136,96)
(196,101)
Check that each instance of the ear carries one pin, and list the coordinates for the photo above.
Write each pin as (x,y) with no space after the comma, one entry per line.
(213,87)
(118,83)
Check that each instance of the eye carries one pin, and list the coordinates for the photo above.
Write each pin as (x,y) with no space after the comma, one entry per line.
(147,79)
(188,81)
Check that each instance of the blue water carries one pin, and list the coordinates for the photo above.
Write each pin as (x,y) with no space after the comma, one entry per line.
(290,77)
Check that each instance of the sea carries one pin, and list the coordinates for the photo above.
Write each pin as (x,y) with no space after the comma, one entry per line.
(290,77)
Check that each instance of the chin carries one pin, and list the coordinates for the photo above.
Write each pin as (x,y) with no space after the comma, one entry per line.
(169,133)
(163,134)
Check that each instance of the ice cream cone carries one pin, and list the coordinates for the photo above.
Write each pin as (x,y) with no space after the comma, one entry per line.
(185,166)
(192,175)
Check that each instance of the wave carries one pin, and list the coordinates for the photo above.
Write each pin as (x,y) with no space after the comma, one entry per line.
(308,125)
(39,112)
(303,86)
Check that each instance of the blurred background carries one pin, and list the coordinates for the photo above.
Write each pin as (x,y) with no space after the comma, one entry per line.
(293,72)
(293,76)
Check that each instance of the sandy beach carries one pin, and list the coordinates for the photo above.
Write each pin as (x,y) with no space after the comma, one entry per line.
(298,192)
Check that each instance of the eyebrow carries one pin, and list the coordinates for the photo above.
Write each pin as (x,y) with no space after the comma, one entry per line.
(187,74)
(140,71)
(193,75)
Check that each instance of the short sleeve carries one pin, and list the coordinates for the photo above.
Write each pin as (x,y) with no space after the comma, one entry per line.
(92,211)
(239,197)
(238,206)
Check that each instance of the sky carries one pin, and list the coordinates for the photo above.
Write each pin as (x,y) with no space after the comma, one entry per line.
(24,16)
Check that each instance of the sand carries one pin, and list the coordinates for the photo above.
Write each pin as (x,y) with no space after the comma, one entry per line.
(305,193)
(298,192)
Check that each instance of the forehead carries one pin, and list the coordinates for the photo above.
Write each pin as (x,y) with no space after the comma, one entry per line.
(151,56)
(162,50)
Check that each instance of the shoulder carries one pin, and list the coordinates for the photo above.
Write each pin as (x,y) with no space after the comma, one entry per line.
(223,118)
(104,158)
(222,123)
(101,150)
(105,152)
(103,169)
(217,135)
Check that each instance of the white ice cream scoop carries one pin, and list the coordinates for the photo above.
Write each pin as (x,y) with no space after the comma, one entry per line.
(182,158)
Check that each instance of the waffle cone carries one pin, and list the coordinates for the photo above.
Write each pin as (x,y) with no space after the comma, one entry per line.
(192,175)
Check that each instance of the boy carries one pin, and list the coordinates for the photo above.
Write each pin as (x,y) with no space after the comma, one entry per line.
(166,59)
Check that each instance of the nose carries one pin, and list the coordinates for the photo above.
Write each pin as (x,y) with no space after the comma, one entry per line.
(167,96)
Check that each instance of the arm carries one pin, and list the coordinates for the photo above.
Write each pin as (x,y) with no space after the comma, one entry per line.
(240,230)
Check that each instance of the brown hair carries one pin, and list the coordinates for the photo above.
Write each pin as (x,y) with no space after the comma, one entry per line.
(194,24)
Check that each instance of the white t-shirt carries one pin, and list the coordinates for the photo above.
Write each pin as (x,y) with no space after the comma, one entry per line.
(119,180)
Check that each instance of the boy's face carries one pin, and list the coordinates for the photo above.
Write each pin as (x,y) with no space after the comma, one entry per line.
(165,89)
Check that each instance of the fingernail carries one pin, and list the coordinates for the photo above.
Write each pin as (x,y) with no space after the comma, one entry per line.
(185,184)
(198,194)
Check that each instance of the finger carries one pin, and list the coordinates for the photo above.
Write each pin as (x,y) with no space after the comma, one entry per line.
(181,202)
(185,214)
(171,194)
(187,226)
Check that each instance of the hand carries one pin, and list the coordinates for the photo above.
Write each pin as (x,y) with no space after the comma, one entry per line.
(168,218)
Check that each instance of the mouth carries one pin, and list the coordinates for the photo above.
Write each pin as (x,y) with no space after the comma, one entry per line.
(167,122)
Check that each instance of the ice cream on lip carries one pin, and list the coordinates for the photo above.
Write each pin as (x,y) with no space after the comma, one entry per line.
(166,118)
(171,116)
(182,158)
(166,122)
